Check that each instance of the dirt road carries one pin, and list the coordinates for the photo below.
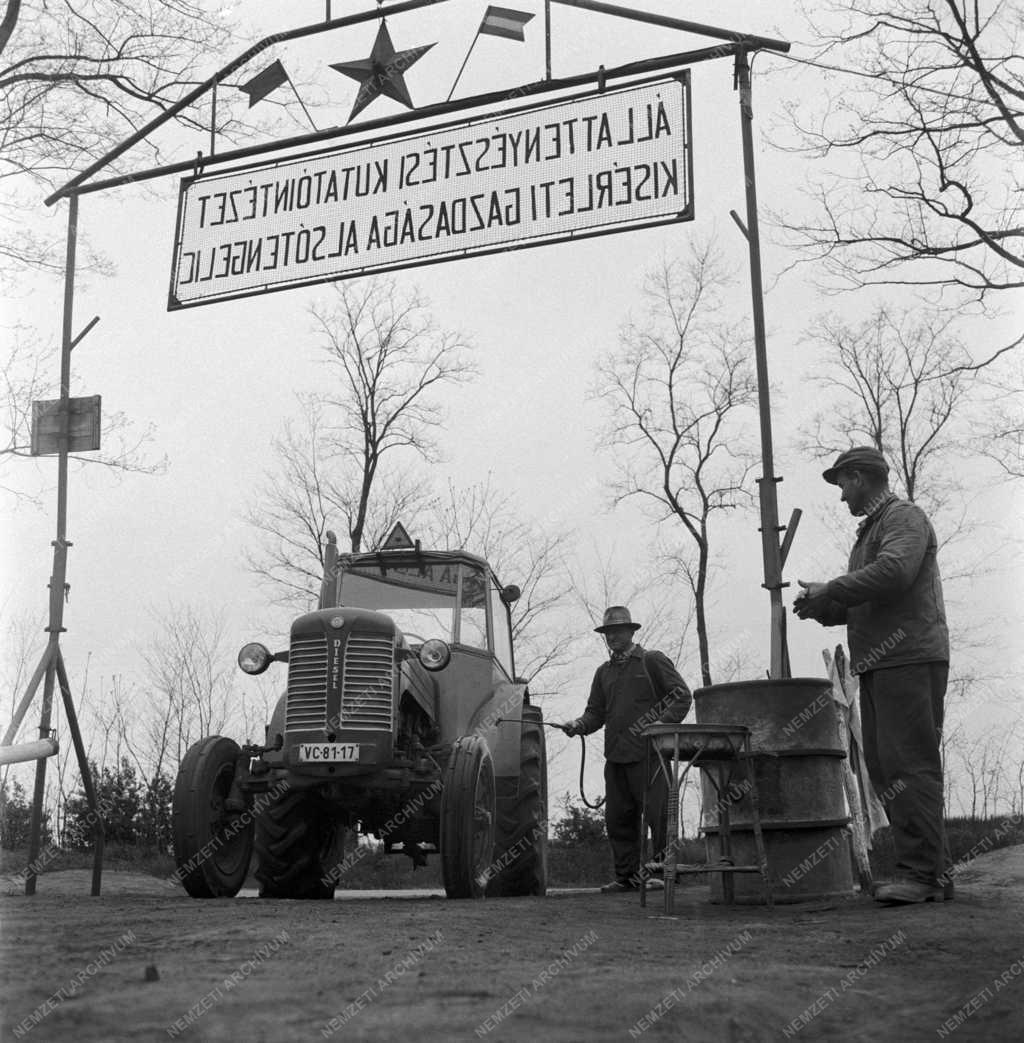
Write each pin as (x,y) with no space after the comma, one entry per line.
(143,962)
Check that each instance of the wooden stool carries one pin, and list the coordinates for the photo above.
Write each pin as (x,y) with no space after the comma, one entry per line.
(720,751)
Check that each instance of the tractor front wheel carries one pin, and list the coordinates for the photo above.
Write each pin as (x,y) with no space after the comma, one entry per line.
(212,842)
(298,847)
(467,819)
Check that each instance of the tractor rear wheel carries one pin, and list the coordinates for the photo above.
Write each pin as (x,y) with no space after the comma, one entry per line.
(212,844)
(298,844)
(521,851)
(467,819)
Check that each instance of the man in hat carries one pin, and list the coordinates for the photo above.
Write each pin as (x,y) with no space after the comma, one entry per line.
(633,689)
(891,603)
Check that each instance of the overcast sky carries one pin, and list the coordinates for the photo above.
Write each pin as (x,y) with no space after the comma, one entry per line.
(218,382)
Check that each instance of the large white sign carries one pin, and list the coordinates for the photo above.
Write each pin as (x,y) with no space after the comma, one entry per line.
(602,163)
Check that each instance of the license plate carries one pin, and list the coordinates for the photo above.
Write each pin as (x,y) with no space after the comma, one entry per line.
(328,752)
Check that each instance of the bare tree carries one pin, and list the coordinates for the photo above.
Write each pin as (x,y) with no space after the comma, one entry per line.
(486,522)
(388,357)
(189,690)
(677,388)
(77,77)
(999,430)
(921,131)
(898,381)
(984,761)
(1017,782)
(385,361)
(310,492)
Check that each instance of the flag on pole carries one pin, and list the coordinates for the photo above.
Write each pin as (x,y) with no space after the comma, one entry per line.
(497,21)
(265,82)
(503,21)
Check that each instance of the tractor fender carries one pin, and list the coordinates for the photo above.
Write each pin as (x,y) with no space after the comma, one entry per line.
(496,721)
(274,729)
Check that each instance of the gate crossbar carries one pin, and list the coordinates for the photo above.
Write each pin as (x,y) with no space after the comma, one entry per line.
(665,63)
(217,77)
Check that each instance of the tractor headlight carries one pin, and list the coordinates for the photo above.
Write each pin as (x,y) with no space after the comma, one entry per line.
(435,654)
(254,658)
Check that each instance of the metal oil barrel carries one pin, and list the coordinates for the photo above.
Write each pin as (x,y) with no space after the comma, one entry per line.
(797,754)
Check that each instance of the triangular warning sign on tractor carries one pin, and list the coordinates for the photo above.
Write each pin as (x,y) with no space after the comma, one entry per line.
(398,539)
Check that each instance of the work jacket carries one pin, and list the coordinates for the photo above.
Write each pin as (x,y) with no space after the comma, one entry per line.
(626,697)
(891,597)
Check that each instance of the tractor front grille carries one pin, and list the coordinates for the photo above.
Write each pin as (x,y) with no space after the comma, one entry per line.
(307,684)
(367,682)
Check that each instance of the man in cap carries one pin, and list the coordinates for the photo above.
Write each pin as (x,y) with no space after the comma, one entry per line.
(633,689)
(891,603)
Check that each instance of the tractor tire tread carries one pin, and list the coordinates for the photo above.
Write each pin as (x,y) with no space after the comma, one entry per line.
(522,820)
(292,834)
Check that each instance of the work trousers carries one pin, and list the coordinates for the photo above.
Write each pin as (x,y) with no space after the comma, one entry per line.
(624,794)
(902,709)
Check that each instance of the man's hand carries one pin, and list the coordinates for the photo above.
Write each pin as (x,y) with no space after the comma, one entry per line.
(573,727)
(812,601)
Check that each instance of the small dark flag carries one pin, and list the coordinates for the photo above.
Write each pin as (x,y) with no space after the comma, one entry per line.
(265,82)
(503,21)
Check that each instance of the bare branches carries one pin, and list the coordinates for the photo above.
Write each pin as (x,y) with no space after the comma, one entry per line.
(75,78)
(925,123)
(312,490)
(903,382)
(354,455)
(189,670)
(998,430)
(485,521)
(388,358)
(675,388)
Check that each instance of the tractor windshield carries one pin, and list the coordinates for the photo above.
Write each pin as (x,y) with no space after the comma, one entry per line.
(424,601)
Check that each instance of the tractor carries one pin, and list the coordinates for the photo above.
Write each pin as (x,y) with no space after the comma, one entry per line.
(402,719)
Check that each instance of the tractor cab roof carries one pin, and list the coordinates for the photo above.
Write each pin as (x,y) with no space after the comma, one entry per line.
(399,550)
(405,558)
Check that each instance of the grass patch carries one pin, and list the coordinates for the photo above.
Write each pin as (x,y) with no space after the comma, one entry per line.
(117,858)
(968,838)
(569,865)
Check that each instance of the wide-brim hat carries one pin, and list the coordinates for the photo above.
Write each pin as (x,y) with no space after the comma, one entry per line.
(859,458)
(616,616)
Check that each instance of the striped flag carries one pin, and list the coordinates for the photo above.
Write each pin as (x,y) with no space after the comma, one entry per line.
(503,21)
(265,82)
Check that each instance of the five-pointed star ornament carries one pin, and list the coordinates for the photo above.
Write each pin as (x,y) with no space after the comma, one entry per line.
(381,73)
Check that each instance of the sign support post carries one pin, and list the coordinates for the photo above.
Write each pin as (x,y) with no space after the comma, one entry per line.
(770,528)
(51,668)
(547,39)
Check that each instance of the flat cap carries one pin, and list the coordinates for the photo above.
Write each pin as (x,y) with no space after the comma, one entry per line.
(616,616)
(859,458)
